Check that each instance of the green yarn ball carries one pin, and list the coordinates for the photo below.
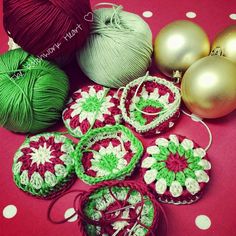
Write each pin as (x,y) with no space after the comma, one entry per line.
(33,92)
(118,49)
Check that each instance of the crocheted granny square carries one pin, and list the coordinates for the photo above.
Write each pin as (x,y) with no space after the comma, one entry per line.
(43,166)
(177,169)
(122,208)
(150,105)
(91,107)
(107,153)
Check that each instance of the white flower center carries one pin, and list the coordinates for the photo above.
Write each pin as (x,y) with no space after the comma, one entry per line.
(41,155)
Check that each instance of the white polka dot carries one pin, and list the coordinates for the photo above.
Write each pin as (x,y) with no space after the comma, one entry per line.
(9,211)
(191,14)
(69,212)
(203,222)
(147,14)
(232,16)
(12,45)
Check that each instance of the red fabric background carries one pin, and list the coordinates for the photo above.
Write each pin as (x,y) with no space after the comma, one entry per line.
(218,203)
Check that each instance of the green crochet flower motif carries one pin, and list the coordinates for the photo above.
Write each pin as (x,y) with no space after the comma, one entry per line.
(175,165)
(141,105)
(147,100)
(108,160)
(104,202)
(92,104)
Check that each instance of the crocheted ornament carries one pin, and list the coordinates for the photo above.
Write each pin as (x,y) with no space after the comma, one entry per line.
(43,166)
(177,169)
(118,208)
(91,107)
(107,153)
(147,95)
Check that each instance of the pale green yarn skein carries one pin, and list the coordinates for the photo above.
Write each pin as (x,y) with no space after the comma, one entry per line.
(118,49)
(32,92)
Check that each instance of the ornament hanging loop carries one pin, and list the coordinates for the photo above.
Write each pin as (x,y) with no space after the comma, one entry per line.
(177,75)
(198,119)
(217,52)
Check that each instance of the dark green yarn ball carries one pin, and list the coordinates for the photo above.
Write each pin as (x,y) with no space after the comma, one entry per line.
(33,92)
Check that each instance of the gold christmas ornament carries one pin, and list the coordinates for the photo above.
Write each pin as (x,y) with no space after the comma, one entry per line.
(209,87)
(179,45)
(226,41)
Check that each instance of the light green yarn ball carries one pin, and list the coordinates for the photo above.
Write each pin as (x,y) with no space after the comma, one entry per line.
(118,49)
(33,92)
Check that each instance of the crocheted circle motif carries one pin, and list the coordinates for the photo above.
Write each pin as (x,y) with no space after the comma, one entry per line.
(120,208)
(177,169)
(107,153)
(43,166)
(150,105)
(91,107)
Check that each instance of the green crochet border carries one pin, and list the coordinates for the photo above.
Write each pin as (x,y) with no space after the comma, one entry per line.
(78,153)
(45,190)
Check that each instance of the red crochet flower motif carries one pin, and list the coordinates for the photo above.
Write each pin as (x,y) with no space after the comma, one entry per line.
(91,107)
(41,156)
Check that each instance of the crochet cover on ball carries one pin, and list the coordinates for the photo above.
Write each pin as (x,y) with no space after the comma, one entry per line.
(91,107)
(150,105)
(115,208)
(177,169)
(43,166)
(107,153)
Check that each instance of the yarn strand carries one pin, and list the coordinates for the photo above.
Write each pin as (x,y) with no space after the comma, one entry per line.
(197,119)
(173,107)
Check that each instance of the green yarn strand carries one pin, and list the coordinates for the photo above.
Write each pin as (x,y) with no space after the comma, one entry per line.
(31,97)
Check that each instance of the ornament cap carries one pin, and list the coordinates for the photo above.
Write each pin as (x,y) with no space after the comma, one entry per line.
(177,75)
(217,52)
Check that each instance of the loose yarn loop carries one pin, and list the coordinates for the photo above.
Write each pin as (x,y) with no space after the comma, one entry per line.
(119,48)
(197,119)
(32,94)
(175,106)
(81,199)
(48,29)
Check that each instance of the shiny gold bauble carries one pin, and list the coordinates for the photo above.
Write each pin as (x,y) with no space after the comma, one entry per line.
(179,45)
(209,87)
(226,40)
